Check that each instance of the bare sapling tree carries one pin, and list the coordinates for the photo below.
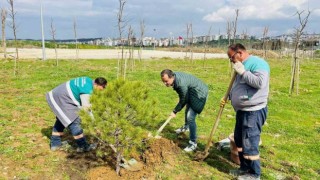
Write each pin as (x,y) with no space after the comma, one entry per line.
(246,37)
(130,46)
(3,29)
(206,40)
(229,29)
(13,26)
(142,29)
(219,38)
(121,25)
(234,26)
(53,35)
(76,37)
(313,39)
(295,68)
(264,41)
(192,41)
(186,41)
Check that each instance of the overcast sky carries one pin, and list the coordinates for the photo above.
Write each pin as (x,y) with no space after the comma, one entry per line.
(163,18)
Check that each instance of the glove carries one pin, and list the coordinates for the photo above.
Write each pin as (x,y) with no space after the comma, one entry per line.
(239,67)
(223,102)
(172,115)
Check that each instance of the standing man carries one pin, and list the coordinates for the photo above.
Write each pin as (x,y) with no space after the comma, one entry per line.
(65,101)
(249,98)
(193,94)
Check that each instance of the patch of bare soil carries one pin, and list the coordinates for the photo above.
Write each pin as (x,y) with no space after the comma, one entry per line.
(160,151)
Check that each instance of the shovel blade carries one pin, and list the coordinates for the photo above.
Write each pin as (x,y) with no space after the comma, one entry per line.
(200,156)
(132,165)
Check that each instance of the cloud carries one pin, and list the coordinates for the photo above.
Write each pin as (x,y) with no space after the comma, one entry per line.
(256,10)
(316,12)
(98,17)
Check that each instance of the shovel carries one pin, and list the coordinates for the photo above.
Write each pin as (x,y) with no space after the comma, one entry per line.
(200,156)
(157,136)
(130,165)
(162,127)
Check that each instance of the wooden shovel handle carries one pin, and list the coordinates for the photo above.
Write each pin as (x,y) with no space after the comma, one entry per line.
(225,97)
(163,125)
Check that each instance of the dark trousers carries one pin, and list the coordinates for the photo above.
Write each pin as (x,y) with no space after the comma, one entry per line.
(190,121)
(74,127)
(247,137)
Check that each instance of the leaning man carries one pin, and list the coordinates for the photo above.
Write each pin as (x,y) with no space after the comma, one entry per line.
(193,94)
(249,97)
(65,101)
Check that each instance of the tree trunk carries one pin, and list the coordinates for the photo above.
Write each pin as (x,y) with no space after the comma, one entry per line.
(3,21)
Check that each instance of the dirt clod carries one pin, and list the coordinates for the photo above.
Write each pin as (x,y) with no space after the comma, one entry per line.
(159,151)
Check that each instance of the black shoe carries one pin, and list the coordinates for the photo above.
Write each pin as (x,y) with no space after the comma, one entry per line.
(64,146)
(87,148)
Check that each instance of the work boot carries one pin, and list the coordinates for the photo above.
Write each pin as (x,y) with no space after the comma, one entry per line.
(191,147)
(64,146)
(183,129)
(248,176)
(87,148)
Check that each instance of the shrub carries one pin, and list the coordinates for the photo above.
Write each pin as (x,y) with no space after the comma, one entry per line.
(123,114)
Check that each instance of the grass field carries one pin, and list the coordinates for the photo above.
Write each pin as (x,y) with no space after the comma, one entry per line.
(290,139)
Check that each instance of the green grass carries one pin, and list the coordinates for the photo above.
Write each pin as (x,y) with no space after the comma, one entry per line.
(290,147)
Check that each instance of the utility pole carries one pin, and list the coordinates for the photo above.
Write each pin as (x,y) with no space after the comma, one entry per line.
(42,32)
(154,41)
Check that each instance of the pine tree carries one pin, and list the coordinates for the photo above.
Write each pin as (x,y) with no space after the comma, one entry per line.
(123,114)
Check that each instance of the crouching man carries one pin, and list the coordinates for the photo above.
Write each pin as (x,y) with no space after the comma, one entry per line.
(65,101)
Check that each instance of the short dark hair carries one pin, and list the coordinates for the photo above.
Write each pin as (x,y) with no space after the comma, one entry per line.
(237,47)
(167,72)
(101,81)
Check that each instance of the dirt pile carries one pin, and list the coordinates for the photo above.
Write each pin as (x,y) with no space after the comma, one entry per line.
(159,151)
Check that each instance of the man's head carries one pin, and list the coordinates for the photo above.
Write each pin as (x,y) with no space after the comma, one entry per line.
(100,83)
(237,52)
(167,77)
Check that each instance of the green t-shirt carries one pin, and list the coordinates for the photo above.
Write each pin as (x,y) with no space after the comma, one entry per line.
(81,85)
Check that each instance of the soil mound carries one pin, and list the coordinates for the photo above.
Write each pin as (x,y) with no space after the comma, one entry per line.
(159,151)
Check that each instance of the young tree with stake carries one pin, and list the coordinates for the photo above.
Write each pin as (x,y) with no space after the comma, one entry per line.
(295,69)
(13,26)
(53,34)
(3,22)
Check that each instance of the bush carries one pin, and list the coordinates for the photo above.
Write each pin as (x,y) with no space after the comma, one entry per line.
(123,114)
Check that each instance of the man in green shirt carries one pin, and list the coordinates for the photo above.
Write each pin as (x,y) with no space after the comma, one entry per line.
(193,94)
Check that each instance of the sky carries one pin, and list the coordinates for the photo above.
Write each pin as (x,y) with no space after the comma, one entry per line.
(162,18)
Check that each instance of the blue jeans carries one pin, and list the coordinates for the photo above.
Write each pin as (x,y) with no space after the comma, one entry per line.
(74,127)
(190,121)
(247,136)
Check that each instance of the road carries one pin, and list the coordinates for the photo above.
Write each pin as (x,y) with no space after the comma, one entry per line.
(34,53)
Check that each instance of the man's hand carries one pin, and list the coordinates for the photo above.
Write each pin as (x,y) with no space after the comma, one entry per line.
(239,67)
(223,102)
(172,115)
